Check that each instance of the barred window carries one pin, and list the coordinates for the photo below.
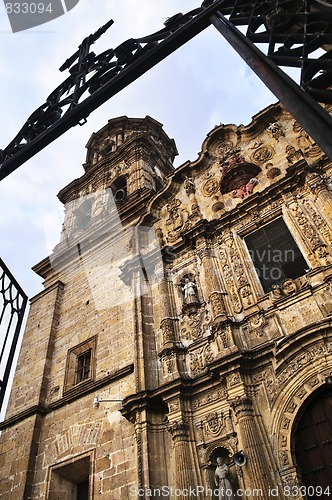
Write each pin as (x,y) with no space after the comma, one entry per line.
(80,365)
(275,254)
(83,366)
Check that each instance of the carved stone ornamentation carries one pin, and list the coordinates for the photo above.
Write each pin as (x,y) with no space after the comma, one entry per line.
(235,301)
(320,223)
(175,219)
(310,233)
(211,186)
(212,424)
(167,329)
(189,186)
(276,130)
(224,148)
(235,275)
(273,173)
(263,154)
(293,155)
(196,325)
(200,358)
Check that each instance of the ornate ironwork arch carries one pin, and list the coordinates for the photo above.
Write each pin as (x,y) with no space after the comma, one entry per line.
(297,33)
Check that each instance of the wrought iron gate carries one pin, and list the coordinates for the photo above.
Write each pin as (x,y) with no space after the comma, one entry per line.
(13,302)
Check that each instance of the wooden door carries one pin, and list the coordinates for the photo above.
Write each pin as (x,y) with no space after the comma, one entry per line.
(313,444)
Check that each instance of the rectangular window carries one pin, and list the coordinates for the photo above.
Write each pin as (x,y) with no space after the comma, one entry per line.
(80,367)
(83,366)
(275,254)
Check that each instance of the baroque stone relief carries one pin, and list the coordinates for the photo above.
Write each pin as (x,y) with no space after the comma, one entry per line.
(238,286)
(310,233)
(195,326)
(176,219)
(210,397)
(263,154)
(288,288)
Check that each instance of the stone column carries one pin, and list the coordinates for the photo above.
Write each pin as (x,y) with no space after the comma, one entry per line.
(256,471)
(212,285)
(166,310)
(322,192)
(184,469)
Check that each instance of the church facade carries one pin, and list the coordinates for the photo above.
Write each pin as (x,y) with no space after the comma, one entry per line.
(184,328)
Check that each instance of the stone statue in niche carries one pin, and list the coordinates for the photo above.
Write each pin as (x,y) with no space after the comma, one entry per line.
(222,481)
(189,291)
(189,185)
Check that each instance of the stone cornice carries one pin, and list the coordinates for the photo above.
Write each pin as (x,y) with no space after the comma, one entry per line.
(73,394)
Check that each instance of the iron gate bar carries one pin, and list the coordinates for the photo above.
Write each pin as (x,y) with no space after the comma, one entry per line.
(313,118)
(14,303)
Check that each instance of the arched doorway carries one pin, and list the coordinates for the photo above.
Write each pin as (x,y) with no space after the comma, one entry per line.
(313,443)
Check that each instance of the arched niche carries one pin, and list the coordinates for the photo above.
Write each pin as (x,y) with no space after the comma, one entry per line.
(119,189)
(237,177)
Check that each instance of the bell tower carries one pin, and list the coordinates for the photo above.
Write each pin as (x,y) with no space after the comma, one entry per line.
(82,330)
(137,152)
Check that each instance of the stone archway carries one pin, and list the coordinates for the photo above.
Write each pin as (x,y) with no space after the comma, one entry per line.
(313,442)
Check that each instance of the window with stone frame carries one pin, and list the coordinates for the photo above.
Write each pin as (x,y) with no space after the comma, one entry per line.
(80,366)
(275,254)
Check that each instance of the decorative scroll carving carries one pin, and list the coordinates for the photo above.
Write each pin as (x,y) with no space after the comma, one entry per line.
(209,398)
(224,148)
(234,298)
(176,219)
(317,246)
(195,326)
(167,329)
(200,358)
(320,223)
(263,154)
(211,186)
(289,287)
(238,285)
(293,155)
(304,358)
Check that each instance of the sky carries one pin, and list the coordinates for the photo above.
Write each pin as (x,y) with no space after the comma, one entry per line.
(201,85)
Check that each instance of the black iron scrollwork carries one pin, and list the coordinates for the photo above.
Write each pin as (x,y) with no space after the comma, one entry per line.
(88,73)
(12,306)
(297,33)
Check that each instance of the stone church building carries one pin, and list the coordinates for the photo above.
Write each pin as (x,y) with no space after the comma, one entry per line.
(185,317)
